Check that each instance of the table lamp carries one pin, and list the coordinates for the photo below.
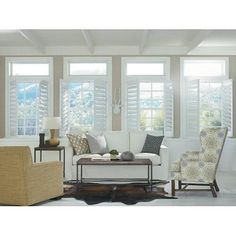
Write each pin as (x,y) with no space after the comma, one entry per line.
(52,123)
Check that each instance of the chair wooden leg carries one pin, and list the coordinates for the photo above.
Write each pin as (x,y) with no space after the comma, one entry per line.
(213,190)
(173,187)
(179,184)
(216,186)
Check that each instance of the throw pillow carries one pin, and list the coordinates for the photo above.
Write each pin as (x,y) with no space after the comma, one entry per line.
(97,144)
(152,144)
(78,143)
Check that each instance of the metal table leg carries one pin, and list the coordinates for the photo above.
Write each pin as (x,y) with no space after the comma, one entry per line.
(151,176)
(41,156)
(81,173)
(77,174)
(64,163)
(34,156)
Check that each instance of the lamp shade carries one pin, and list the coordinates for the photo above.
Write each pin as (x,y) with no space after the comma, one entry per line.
(51,122)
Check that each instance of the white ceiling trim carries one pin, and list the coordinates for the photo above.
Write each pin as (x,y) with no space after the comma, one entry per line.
(88,40)
(114,50)
(143,41)
(33,40)
(197,40)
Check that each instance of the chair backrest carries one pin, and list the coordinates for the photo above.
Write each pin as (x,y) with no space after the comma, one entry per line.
(212,142)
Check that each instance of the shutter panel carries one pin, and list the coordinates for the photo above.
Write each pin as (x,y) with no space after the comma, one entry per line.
(132,105)
(13,109)
(192,108)
(227,108)
(100,105)
(168,106)
(43,103)
(65,107)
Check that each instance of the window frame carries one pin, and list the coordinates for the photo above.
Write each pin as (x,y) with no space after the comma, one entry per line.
(140,78)
(183,79)
(85,78)
(27,78)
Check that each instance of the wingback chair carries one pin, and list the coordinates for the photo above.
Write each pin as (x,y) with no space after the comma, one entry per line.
(25,183)
(199,168)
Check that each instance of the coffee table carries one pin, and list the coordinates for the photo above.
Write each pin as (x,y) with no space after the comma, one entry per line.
(93,162)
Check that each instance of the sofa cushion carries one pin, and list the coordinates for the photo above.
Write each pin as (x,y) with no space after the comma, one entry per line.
(118,140)
(97,144)
(156,160)
(152,144)
(78,143)
(137,139)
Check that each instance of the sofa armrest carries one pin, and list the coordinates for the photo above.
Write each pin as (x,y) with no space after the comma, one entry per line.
(44,181)
(164,155)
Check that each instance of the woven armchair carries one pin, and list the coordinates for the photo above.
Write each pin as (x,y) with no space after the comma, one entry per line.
(199,168)
(25,183)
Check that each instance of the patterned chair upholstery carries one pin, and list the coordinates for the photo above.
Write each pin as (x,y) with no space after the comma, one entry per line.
(200,167)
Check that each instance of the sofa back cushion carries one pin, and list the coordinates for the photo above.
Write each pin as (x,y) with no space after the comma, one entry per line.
(137,139)
(118,140)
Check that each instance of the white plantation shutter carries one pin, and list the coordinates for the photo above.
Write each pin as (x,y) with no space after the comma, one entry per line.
(227,108)
(13,108)
(65,107)
(168,106)
(43,102)
(132,105)
(100,105)
(192,108)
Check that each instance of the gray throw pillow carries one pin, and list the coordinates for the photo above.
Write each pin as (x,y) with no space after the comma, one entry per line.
(97,144)
(152,144)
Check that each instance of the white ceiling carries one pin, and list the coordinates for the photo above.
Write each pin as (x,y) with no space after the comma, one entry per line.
(117,42)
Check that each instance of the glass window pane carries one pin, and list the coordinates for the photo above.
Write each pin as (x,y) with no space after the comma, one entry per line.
(87,68)
(145,86)
(145,68)
(30,69)
(204,68)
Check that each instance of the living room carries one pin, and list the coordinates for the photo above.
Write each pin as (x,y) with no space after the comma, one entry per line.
(86,109)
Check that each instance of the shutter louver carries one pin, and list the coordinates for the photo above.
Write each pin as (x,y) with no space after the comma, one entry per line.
(13,108)
(192,108)
(227,108)
(100,105)
(168,106)
(65,107)
(43,102)
(132,105)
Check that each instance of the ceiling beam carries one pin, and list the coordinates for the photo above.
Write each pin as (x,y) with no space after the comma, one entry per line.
(88,40)
(143,41)
(33,40)
(197,40)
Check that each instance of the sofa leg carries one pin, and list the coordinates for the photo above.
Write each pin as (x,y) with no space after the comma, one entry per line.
(213,190)
(179,184)
(216,186)
(173,187)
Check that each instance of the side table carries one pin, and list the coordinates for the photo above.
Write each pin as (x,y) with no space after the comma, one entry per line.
(59,149)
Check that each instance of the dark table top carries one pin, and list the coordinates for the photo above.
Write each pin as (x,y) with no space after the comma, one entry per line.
(48,148)
(89,161)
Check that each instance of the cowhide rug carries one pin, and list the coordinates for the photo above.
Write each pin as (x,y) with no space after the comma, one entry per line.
(129,194)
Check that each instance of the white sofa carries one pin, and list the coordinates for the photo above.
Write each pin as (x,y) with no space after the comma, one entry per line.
(123,141)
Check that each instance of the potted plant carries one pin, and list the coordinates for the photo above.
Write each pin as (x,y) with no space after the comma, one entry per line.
(114,153)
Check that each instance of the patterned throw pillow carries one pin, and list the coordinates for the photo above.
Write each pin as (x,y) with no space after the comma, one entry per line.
(152,144)
(79,143)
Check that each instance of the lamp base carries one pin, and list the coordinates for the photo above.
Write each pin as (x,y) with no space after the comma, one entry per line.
(52,142)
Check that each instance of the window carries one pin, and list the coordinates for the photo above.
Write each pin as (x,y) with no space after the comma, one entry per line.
(85,92)
(28,85)
(148,96)
(206,95)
